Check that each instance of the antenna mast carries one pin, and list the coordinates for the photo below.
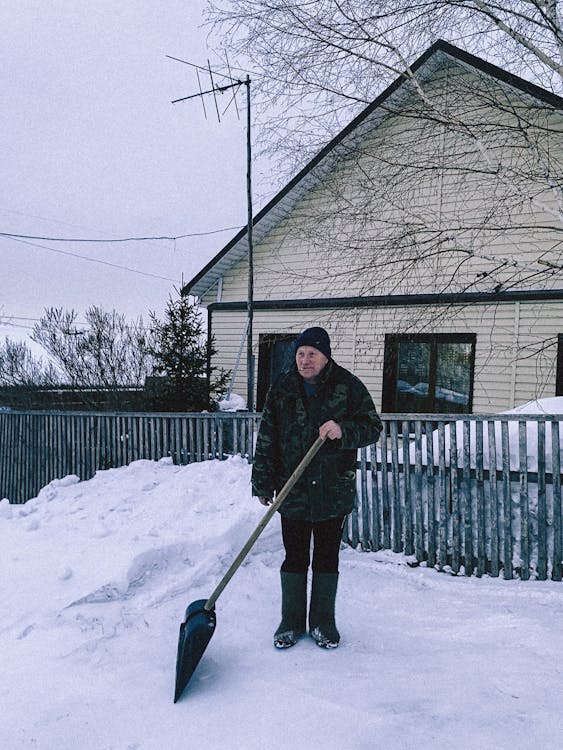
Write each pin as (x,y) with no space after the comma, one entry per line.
(215,89)
(250,300)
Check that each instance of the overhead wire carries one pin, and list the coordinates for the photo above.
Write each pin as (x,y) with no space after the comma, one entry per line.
(25,239)
(95,260)
(9,324)
(14,235)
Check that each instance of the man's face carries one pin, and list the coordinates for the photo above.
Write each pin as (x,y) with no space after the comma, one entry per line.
(310,362)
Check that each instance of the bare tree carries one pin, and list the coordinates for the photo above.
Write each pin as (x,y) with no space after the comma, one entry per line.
(322,61)
(463,185)
(108,354)
(19,367)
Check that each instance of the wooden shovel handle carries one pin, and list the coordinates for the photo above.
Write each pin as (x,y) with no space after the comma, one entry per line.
(280,497)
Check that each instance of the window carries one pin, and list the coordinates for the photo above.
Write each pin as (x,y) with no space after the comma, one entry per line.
(275,355)
(430,373)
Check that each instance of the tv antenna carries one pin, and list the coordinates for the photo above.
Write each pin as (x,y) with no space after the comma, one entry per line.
(234,84)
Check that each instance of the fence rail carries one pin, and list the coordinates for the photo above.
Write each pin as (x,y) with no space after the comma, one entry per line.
(471,494)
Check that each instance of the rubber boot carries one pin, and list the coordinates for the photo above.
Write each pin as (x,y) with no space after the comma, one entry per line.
(294,609)
(322,626)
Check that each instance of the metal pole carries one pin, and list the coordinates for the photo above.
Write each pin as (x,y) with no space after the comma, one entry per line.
(250,305)
(249,356)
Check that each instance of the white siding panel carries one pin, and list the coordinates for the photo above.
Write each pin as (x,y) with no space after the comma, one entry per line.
(504,373)
(421,208)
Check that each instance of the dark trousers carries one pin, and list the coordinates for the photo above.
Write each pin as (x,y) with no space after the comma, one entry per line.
(327,536)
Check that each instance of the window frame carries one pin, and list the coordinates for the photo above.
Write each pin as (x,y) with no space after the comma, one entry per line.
(390,363)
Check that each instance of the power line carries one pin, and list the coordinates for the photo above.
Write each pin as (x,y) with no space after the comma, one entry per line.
(96,260)
(14,235)
(17,317)
(15,325)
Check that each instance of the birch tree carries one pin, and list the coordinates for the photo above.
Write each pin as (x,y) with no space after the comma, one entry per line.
(322,61)
(492,161)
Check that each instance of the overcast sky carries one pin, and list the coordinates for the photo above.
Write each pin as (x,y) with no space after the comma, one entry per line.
(93,148)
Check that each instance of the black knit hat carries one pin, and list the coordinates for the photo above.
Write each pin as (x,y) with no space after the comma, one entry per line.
(317,338)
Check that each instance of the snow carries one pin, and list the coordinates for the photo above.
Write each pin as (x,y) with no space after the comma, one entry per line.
(545,407)
(96,576)
(553,405)
(232,402)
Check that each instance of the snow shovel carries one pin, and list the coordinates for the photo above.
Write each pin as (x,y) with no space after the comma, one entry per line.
(199,621)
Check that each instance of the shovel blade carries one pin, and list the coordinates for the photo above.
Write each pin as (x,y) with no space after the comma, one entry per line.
(195,633)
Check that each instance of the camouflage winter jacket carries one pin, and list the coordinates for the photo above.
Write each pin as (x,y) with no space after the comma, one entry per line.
(290,425)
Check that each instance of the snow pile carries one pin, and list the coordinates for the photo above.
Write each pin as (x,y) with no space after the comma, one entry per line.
(96,576)
(546,407)
(233,402)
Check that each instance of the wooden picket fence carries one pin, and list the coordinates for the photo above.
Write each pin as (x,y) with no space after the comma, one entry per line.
(37,447)
(464,493)
(467,494)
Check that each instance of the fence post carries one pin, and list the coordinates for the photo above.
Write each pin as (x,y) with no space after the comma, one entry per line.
(507,502)
(467,499)
(376,501)
(364,500)
(524,504)
(456,500)
(397,515)
(556,484)
(542,505)
(408,505)
(442,484)
(430,494)
(480,501)
(419,547)
(385,502)
(495,565)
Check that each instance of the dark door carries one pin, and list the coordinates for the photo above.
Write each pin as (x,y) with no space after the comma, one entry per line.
(276,354)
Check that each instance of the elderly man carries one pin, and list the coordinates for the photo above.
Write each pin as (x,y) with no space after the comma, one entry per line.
(316,397)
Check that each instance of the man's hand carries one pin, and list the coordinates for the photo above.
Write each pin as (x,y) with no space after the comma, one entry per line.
(330,430)
(265,500)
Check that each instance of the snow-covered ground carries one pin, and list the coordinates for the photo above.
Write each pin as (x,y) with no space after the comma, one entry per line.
(95,577)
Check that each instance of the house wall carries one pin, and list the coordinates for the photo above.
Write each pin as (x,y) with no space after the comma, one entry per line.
(509,369)
(417,206)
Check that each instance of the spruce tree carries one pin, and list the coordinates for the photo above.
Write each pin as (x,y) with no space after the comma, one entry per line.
(181,352)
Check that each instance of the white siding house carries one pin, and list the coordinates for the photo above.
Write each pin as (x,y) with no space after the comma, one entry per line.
(427,239)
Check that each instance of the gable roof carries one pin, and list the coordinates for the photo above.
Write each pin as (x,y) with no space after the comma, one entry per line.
(283,202)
